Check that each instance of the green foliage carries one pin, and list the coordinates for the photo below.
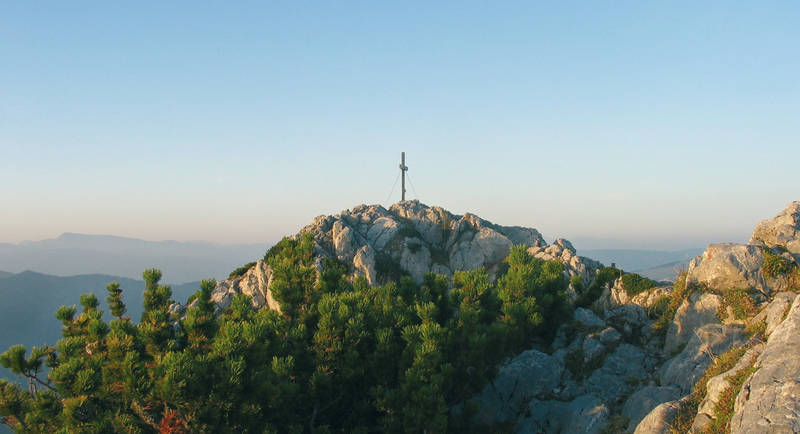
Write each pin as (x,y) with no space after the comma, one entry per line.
(241,270)
(577,283)
(387,269)
(114,300)
(634,284)
(740,302)
(680,292)
(659,307)
(688,409)
(723,409)
(603,277)
(533,296)
(340,356)
(776,265)
(757,329)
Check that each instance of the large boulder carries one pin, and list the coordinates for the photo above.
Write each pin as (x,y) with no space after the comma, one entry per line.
(707,342)
(770,399)
(658,421)
(621,372)
(584,414)
(530,375)
(781,231)
(588,318)
(644,400)
(729,266)
(697,311)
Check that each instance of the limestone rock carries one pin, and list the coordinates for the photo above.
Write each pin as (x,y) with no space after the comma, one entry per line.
(592,350)
(644,400)
(782,230)
(622,370)
(770,399)
(658,420)
(254,283)
(364,264)
(516,383)
(717,385)
(707,342)
(772,315)
(584,414)
(729,266)
(588,318)
(629,319)
(700,309)
(609,336)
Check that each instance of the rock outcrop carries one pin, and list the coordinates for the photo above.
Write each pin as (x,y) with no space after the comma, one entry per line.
(409,238)
(421,239)
(728,266)
(608,363)
(781,231)
(770,398)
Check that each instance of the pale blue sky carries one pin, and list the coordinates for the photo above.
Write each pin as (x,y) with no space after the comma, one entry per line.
(663,124)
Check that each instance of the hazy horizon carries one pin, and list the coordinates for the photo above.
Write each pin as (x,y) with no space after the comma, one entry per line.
(655,124)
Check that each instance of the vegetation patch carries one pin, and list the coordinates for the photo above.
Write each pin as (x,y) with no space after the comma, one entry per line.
(776,265)
(341,356)
(634,284)
(616,424)
(739,300)
(659,307)
(439,256)
(603,277)
(413,247)
(577,283)
(387,269)
(757,329)
(680,292)
(688,409)
(723,409)
(239,272)
(407,229)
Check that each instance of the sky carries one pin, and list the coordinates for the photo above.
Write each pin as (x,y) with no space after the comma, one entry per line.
(659,124)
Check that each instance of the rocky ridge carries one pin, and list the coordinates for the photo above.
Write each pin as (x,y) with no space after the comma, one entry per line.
(610,368)
(612,371)
(412,239)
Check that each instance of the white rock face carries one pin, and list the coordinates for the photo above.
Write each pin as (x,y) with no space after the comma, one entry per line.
(773,314)
(254,283)
(717,385)
(770,399)
(783,230)
(729,266)
(709,341)
(658,420)
(699,310)
(643,401)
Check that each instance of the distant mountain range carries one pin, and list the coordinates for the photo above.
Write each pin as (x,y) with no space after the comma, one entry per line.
(30,301)
(655,264)
(70,254)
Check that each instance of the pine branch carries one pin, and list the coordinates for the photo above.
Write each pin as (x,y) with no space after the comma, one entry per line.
(43,383)
(137,408)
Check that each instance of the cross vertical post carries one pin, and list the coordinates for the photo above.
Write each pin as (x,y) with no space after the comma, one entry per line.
(403,169)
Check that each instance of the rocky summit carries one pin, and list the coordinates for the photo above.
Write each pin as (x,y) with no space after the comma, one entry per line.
(413,239)
(716,352)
